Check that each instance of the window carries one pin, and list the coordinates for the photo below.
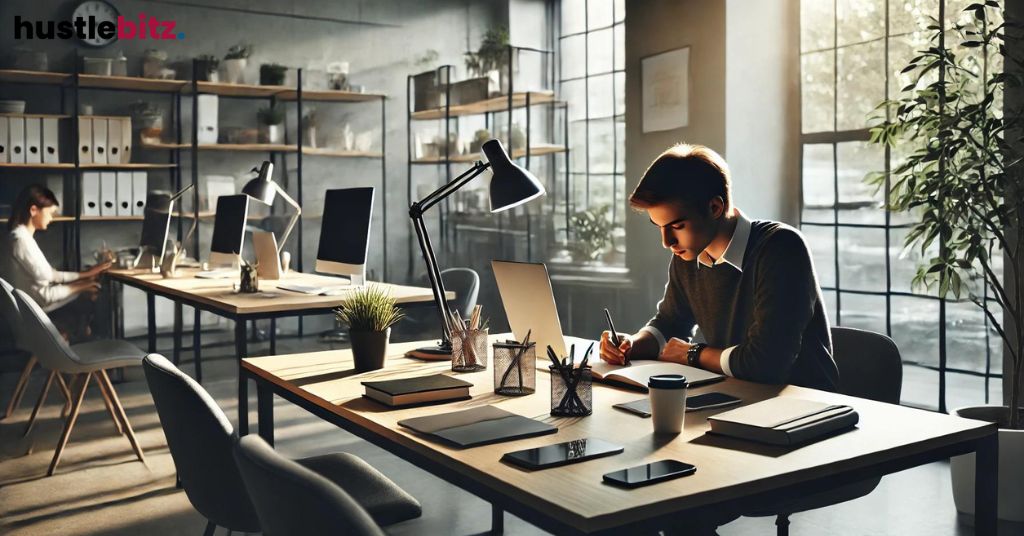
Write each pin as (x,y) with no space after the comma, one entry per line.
(591,79)
(948,347)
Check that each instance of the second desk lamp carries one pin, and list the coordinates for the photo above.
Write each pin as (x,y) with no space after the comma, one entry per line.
(263,189)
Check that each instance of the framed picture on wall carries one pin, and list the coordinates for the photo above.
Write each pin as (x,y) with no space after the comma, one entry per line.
(665,87)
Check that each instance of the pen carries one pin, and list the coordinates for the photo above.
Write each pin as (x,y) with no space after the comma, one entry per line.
(615,334)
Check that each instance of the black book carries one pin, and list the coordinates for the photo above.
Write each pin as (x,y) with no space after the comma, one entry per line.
(419,390)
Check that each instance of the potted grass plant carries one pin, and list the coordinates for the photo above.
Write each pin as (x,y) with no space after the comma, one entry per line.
(272,74)
(962,184)
(271,121)
(369,313)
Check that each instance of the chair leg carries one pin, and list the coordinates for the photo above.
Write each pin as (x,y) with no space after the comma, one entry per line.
(110,408)
(39,403)
(69,424)
(210,528)
(102,376)
(782,524)
(67,395)
(19,389)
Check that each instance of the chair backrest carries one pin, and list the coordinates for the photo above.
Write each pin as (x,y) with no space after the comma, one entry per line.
(41,337)
(200,438)
(869,364)
(291,499)
(465,282)
(9,311)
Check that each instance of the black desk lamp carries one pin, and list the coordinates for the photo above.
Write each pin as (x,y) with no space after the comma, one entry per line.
(263,189)
(510,187)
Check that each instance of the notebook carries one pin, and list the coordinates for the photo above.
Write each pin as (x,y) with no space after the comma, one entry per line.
(784,420)
(478,426)
(418,390)
(635,376)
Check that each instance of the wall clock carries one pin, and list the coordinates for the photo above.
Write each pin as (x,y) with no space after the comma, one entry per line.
(101,11)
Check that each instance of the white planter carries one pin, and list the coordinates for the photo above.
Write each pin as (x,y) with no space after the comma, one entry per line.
(272,134)
(234,70)
(1011,470)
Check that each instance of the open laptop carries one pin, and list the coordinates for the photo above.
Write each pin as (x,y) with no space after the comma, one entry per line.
(529,302)
(268,262)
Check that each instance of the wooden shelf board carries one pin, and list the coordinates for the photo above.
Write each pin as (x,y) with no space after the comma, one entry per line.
(36,166)
(538,150)
(33,77)
(237,90)
(494,104)
(163,145)
(329,95)
(138,165)
(262,147)
(319,151)
(38,116)
(130,83)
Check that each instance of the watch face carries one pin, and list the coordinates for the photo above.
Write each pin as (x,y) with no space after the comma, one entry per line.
(101,12)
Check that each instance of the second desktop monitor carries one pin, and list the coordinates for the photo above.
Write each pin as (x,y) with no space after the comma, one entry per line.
(229,229)
(345,232)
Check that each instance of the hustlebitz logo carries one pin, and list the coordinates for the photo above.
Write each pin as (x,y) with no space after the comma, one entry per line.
(89,28)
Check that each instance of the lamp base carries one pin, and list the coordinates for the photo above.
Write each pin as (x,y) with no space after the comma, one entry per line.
(441,352)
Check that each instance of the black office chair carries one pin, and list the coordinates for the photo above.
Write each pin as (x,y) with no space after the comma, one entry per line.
(869,367)
(291,499)
(464,282)
(201,438)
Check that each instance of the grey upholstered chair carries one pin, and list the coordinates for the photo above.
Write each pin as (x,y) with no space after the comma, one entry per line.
(464,282)
(291,499)
(200,439)
(869,367)
(85,361)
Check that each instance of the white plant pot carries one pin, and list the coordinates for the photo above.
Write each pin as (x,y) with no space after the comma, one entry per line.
(234,70)
(1011,470)
(272,134)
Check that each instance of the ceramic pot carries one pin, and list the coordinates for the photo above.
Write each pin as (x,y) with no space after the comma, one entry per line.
(369,349)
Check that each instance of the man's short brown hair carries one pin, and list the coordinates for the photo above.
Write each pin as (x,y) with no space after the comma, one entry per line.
(691,174)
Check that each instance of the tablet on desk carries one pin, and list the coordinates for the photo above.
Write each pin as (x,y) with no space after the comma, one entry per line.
(562,453)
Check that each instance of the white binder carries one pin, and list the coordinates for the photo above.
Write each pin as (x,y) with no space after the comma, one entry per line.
(91,193)
(16,130)
(51,140)
(126,140)
(206,109)
(33,140)
(84,140)
(5,141)
(125,200)
(140,189)
(113,140)
(108,193)
(99,140)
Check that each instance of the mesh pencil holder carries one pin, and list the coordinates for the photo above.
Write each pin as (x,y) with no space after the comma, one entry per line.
(515,368)
(469,350)
(574,399)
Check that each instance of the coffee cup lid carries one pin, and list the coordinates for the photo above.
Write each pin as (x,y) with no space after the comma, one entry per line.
(667,381)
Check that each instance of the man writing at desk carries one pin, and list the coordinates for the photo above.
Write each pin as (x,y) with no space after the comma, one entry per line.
(749,285)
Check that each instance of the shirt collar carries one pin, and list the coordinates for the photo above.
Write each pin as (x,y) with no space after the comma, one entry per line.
(735,250)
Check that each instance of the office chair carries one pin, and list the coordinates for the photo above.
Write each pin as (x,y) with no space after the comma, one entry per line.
(200,439)
(464,282)
(85,361)
(869,367)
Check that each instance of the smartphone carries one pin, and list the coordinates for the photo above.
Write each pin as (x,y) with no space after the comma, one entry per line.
(651,473)
(710,400)
(561,453)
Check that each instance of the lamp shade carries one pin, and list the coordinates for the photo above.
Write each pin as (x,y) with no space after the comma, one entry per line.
(511,185)
(261,188)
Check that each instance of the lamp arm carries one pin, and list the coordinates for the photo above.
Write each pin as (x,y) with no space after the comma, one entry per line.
(294,220)
(448,189)
(436,283)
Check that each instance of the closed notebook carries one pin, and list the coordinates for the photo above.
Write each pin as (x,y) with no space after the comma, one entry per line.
(418,390)
(635,376)
(478,426)
(784,421)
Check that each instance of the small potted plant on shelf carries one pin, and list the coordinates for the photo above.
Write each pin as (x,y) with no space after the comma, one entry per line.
(488,68)
(206,68)
(309,123)
(369,313)
(593,234)
(272,74)
(148,119)
(234,63)
(271,121)
(154,63)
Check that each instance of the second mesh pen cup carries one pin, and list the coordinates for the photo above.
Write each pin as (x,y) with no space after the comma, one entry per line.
(572,391)
(469,350)
(515,368)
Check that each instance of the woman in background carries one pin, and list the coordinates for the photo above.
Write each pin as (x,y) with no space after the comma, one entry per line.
(68,297)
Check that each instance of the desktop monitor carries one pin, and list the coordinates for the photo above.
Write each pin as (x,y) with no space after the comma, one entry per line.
(155,224)
(229,229)
(345,232)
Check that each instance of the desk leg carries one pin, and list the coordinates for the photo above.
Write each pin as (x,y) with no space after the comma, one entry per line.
(497,519)
(265,412)
(151,320)
(243,387)
(176,356)
(986,481)
(273,336)
(197,345)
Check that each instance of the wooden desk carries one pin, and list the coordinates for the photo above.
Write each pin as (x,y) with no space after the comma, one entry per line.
(218,297)
(733,474)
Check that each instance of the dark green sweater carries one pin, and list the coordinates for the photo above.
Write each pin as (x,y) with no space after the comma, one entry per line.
(772,311)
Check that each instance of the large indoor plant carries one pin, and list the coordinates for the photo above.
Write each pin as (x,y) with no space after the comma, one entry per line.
(962,186)
(491,61)
(369,313)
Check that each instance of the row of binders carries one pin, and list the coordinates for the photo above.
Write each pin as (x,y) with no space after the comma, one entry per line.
(36,140)
(114,193)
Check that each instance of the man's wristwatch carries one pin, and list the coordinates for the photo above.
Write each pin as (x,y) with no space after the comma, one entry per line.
(693,354)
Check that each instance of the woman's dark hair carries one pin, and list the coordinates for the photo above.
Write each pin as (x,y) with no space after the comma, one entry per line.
(35,195)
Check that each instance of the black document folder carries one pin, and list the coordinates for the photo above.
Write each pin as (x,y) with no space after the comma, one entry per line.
(478,426)
(784,421)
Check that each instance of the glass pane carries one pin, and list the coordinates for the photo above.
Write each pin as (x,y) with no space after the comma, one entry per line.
(902,49)
(966,334)
(601,147)
(620,143)
(859,86)
(822,242)
(818,185)
(862,311)
(859,202)
(817,87)
(620,93)
(911,15)
(860,20)
(861,259)
(620,10)
(599,13)
(967,390)
(574,16)
(578,147)
(620,46)
(915,329)
(621,201)
(601,191)
(573,55)
(830,305)
(599,51)
(903,263)
(817,24)
(599,96)
(575,93)
(920,387)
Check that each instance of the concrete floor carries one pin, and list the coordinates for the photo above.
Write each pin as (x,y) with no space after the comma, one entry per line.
(100,488)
